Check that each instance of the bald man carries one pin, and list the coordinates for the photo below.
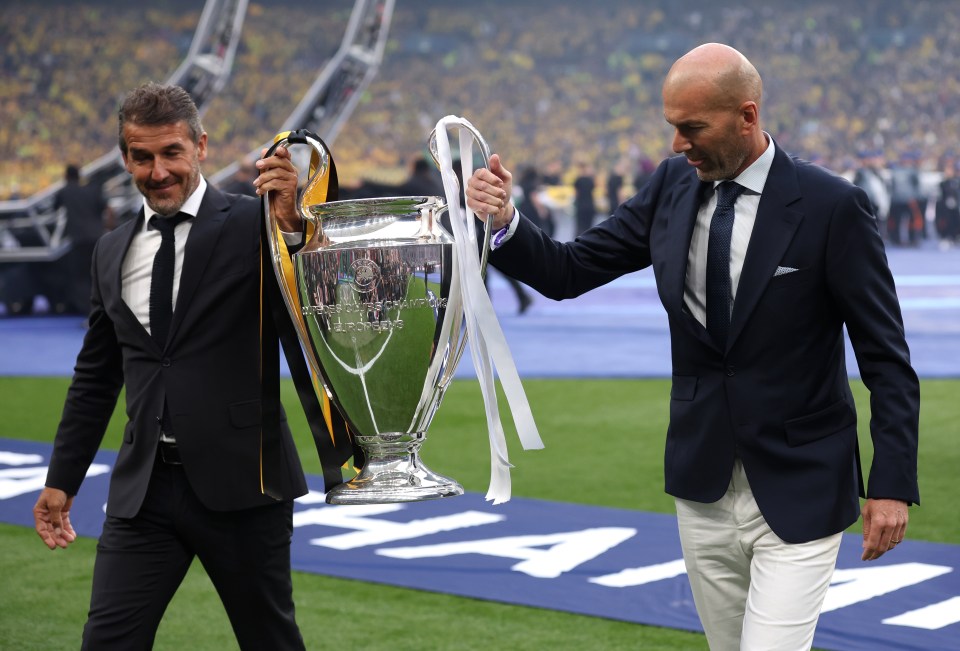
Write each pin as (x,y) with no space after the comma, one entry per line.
(760,259)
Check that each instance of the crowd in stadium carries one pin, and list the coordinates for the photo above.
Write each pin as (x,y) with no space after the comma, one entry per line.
(575,82)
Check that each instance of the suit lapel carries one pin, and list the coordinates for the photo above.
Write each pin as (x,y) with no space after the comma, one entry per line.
(112,294)
(683,216)
(201,243)
(690,194)
(773,230)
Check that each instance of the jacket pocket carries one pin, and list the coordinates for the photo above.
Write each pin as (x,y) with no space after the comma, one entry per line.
(245,414)
(684,387)
(806,429)
(790,279)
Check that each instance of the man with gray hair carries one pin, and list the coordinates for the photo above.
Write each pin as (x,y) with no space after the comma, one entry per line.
(176,318)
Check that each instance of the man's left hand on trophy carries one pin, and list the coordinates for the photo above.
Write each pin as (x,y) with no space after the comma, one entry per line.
(279,177)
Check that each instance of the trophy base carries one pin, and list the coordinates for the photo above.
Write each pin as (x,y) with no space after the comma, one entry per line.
(391,477)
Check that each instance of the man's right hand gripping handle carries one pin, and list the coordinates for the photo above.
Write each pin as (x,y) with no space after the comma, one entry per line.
(489,191)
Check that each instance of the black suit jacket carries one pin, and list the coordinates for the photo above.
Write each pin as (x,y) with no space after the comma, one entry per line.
(208,372)
(778,396)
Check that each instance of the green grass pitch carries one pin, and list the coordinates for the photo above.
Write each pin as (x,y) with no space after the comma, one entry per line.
(604,446)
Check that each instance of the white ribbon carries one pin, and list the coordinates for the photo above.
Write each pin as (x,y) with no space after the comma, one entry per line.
(488,346)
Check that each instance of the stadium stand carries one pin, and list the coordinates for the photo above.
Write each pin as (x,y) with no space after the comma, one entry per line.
(543,85)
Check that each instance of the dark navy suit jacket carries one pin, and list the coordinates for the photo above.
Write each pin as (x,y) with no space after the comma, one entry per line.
(778,396)
(208,372)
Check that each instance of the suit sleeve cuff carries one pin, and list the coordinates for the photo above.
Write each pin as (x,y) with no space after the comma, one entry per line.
(503,236)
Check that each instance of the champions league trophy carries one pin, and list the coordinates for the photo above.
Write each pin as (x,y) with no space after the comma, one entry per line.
(377,296)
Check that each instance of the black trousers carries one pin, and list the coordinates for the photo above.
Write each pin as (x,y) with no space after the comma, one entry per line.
(142,561)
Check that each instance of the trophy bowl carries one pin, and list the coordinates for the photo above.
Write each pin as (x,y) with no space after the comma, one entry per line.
(382,309)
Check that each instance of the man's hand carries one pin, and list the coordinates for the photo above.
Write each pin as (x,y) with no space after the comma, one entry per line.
(51,516)
(489,191)
(884,525)
(279,177)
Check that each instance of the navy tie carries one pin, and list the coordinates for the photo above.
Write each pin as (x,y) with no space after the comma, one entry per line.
(719,294)
(161,283)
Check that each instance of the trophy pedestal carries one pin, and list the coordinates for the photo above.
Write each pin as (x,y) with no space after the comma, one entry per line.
(393,473)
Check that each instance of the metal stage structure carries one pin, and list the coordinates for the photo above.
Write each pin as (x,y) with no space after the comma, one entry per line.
(332,97)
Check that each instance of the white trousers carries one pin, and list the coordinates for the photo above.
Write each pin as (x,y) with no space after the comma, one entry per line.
(753,591)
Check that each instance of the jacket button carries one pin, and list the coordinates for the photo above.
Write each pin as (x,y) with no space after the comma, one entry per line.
(731,371)
(165,362)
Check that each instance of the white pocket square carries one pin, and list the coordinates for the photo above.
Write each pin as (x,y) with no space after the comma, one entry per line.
(782,271)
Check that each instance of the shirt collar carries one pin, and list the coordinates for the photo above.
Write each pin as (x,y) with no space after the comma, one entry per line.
(755,177)
(191,206)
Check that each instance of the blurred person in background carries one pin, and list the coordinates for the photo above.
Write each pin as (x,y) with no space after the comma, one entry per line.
(614,187)
(905,222)
(88,216)
(948,203)
(584,207)
(552,173)
(531,201)
(424,180)
(644,172)
(761,260)
(870,176)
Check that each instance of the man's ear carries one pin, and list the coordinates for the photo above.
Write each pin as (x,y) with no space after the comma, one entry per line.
(750,114)
(202,147)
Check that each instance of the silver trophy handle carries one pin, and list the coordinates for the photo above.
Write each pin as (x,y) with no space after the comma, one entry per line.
(488,223)
(487,342)
(320,166)
(485,155)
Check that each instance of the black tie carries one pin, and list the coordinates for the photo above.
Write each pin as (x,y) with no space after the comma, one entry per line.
(718,263)
(161,284)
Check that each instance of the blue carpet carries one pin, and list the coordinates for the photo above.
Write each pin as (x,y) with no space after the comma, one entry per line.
(616,331)
(610,563)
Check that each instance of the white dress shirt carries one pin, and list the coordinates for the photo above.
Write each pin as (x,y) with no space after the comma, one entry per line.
(745,214)
(137,270)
